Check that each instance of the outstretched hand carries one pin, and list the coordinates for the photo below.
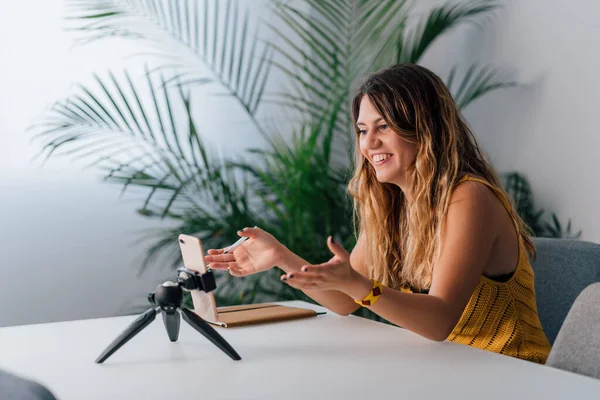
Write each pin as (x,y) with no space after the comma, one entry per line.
(259,253)
(335,274)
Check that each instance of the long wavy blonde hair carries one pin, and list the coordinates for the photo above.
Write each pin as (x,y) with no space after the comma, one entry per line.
(402,240)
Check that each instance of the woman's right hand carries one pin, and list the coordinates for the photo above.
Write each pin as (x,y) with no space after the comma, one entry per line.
(259,253)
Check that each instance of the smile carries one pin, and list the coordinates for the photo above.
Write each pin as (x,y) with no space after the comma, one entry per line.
(380,159)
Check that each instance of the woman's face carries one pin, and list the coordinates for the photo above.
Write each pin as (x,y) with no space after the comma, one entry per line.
(389,154)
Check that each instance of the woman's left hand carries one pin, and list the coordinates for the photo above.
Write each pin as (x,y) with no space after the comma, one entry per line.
(335,274)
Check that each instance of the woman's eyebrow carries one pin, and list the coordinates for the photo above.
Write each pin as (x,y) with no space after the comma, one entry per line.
(376,121)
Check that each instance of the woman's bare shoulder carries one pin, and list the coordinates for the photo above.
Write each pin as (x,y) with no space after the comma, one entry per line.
(474,191)
(476,198)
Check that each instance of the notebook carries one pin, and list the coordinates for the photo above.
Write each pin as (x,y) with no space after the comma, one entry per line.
(250,314)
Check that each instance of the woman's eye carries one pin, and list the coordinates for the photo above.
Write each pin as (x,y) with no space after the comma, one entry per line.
(362,132)
(383,127)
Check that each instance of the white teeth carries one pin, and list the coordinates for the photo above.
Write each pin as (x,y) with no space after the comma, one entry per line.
(381,157)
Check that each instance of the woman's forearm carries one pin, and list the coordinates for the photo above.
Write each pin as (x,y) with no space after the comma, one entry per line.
(426,315)
(335,300)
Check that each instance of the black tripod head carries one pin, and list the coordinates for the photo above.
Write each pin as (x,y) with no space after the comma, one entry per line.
(168,296)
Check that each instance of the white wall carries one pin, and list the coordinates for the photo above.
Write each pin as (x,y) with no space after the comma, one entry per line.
(67,246)
(547,128)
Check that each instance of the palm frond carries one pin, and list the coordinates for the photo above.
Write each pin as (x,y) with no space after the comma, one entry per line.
(413,43)
(215,32)
(136,142)
(519,191)
(326,58)
(477,81)
(378,23)
(327,50)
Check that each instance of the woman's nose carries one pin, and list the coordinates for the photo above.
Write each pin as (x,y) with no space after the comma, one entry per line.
(372,140)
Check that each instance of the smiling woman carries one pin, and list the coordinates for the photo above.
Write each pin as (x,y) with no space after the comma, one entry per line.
(440,249)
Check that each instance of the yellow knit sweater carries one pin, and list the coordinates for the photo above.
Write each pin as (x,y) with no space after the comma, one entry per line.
(502,316)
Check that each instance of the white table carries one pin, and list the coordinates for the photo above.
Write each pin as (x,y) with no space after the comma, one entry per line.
(328,356)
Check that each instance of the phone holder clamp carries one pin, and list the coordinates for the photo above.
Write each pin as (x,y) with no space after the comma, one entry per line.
(192,280)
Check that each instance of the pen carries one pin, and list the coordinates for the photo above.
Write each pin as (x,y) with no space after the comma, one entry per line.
(235,245)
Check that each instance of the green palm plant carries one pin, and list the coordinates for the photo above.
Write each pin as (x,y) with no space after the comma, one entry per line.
(295,186)
(518,188)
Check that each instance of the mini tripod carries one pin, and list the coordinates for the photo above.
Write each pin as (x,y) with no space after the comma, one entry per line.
(169,298)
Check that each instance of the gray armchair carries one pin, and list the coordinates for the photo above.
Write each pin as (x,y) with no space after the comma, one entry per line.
(15,387)
(563,268)
(577,346)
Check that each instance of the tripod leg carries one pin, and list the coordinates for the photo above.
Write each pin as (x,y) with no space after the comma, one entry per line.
(133,329)
(171,320)
(209,332)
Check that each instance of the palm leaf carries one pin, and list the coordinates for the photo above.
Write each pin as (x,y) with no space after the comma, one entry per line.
(163,155)
(221,47)
(413,43)
(477,81)
(519,191)
(327,51)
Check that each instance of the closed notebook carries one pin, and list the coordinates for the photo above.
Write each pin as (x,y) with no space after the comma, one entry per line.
(250,314)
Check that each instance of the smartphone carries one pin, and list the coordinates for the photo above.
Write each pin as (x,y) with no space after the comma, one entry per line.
(192,253)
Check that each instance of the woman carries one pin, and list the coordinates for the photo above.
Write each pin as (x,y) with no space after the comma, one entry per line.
(440,249)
